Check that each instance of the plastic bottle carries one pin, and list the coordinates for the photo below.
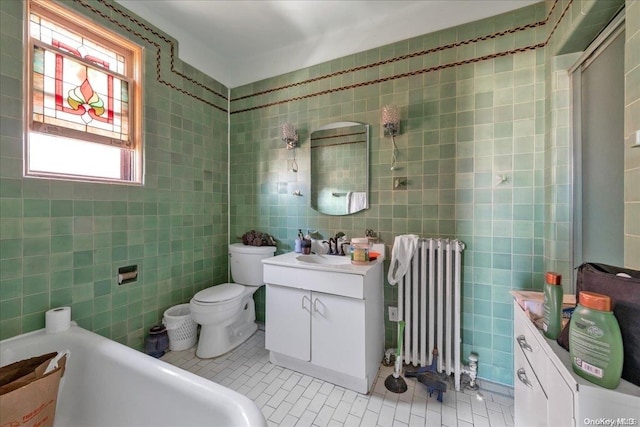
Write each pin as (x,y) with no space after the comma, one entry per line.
(297,248)
(360,251)
(595,342)
(552,308)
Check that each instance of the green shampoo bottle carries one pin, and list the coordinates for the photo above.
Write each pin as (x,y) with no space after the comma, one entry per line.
(595,342)
(552,308)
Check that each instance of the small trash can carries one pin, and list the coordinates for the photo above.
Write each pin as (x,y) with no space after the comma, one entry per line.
(181,328)
(157,342)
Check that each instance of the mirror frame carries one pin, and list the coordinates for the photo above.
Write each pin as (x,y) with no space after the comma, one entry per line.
(337,125)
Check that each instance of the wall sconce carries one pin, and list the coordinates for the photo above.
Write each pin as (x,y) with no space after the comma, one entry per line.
(391,126)
(289,136)
(391,120)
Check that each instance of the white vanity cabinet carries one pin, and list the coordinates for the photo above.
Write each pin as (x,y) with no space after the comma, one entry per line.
(548,393)
(325,321)
(327,330)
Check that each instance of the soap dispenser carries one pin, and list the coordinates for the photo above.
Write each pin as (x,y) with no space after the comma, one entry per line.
(297,248)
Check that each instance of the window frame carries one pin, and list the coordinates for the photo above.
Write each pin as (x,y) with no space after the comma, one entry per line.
(131,151)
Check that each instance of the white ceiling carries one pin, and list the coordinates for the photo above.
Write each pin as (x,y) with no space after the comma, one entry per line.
(243,41)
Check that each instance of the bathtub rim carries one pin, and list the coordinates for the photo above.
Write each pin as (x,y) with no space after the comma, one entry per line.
(248,409)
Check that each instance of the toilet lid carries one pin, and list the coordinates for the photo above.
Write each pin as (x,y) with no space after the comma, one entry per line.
(219,293)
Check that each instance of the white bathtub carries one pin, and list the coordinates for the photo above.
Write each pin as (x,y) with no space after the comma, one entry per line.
(111,385)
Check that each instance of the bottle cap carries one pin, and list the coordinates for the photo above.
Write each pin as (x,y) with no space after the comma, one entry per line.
(553,278)
(595,301)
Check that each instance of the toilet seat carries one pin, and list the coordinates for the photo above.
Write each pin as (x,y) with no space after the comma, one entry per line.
(219,293)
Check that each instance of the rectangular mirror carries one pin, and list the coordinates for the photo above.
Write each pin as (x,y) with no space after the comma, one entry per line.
(340,168)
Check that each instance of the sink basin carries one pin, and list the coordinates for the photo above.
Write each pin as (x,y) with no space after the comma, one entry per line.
(322,262)
(324,259)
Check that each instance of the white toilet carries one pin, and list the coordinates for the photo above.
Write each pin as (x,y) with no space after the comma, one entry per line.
(227,312)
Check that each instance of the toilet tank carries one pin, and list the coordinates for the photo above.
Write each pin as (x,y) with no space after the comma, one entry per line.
(246,263)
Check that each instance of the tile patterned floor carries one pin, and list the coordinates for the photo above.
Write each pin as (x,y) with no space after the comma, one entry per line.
(289,398)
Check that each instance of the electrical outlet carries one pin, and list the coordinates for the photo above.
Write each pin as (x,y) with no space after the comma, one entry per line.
(393,314)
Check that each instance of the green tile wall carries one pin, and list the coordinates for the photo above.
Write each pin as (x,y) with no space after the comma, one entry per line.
(61,243)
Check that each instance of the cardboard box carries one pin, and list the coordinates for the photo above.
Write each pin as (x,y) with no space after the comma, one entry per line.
(28,395)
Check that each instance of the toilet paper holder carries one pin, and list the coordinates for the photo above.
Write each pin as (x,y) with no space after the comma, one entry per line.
(127,274)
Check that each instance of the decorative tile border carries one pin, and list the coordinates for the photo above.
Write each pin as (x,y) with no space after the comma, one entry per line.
(171,45)
(158,50)
(409,56)
(394,77)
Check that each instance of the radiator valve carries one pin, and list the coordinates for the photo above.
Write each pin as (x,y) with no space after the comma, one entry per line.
(389,357)
(472,371)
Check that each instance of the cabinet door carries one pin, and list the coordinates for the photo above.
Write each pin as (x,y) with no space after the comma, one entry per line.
(338,333)
(530,401)
(560,398)
(288,321)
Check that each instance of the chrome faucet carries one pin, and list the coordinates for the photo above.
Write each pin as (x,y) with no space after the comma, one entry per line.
(342,247)
(336,247)
(333,246)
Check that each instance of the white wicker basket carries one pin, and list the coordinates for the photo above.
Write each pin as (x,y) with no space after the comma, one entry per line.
(182,330)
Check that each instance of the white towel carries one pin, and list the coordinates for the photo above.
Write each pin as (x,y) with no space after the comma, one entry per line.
(356,201)
(404,246)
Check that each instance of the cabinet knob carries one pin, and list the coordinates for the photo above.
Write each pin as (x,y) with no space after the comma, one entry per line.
(522,376)
(522,341)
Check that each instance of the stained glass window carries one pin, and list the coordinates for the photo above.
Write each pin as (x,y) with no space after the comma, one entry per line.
(78,85)
(83,88)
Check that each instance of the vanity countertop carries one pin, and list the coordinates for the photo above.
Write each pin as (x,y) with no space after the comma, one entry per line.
(334,263)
